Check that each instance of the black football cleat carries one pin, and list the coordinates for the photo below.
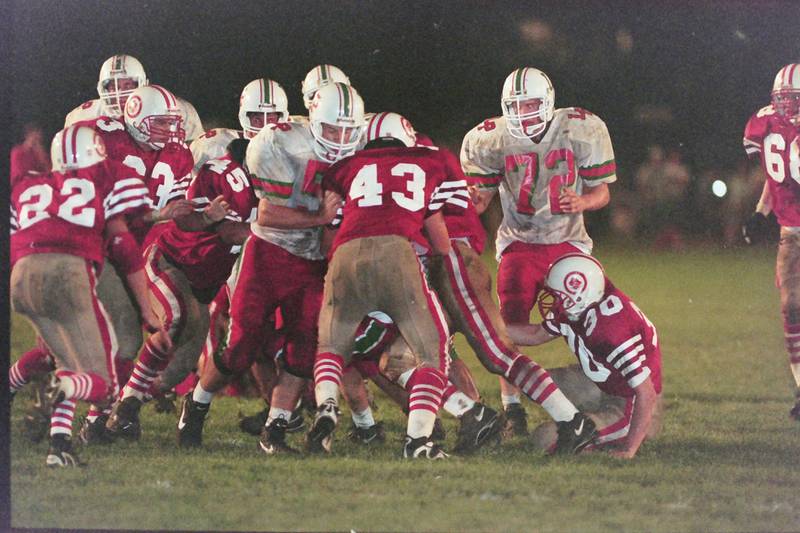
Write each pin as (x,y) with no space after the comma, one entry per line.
(478,426)
(253,424)
(95,432)
(190,423)
(124,419)
(373,434)
(61,453)
(319,438)
(575,435)
(273,438)
(422,448)
(516,421)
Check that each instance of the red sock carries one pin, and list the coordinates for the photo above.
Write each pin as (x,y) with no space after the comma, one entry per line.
(33,363)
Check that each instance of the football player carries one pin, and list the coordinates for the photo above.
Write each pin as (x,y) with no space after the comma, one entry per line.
(550,165)
(771,135)
(615,343)
(317,78)
(263,101)
(59,221)
(281,264)
(151,143)
(464,286)
(391,190)
(119,76)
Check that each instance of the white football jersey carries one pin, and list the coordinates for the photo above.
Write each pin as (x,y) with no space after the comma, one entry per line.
(287,172)
(212,145)
(95,108)
(575,152)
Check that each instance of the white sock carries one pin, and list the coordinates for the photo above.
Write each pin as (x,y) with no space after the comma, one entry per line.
(200,395)
(509,399)
(363,419)
(326,391)
(458,403)
(277,412)
(420,423)
(559,407)
(67,386)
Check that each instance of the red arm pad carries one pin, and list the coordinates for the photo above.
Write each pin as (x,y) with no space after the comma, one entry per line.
(124,252)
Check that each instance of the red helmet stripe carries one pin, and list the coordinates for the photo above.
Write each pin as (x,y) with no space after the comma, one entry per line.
(167,96)
(380,123)
(791,74)
(74,144)
(64,146)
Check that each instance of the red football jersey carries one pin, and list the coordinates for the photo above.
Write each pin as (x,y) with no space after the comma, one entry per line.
(775,140)
(390,191)
(615,343)
(203,256)
(67,213)
(166,172)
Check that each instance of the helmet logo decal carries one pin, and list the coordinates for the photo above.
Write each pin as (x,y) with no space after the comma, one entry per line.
(134,106)
(575,282)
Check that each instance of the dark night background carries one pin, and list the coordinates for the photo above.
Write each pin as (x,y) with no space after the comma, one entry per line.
(687,74)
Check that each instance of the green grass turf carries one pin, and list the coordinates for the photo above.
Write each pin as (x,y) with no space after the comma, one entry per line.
(726,459)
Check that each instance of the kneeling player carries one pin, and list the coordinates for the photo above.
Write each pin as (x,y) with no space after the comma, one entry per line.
(614,341)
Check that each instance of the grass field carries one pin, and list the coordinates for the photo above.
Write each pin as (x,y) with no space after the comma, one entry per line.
(726,459)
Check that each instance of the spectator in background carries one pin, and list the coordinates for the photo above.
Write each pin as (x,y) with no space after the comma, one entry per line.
(30,154)
(662,185)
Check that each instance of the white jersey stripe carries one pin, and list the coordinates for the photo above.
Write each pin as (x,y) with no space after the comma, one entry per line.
(630,355)
(471,309)
(623,347)
(639,378)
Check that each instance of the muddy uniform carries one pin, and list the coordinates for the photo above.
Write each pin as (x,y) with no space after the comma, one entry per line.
(278,267)
(617,347)
(57,225)
(575,152)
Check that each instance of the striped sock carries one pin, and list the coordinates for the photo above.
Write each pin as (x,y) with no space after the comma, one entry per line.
(33,363)
(61,419)
(425,390)
(151,362)
(83,386)
(327,377)
(791,334)
(535,382)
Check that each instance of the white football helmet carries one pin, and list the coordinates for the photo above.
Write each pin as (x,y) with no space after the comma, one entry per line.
(119,76)
(786,93)
(522,85)
(336,120)
(153,118)
(262,96)
(319,77)
(76,147)
(573,283)
(388,124)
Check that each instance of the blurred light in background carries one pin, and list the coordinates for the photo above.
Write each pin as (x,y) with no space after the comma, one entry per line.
(719,188)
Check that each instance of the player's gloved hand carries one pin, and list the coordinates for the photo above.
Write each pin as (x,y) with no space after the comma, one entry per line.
(755,228)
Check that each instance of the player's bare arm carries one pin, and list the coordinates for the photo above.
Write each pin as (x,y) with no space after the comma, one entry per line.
(764,205)
(592,199)
(481,198)
(436,232)
(200,220)
(645,402)
(136,280)
(528,334)
(174,209)
(276,216)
